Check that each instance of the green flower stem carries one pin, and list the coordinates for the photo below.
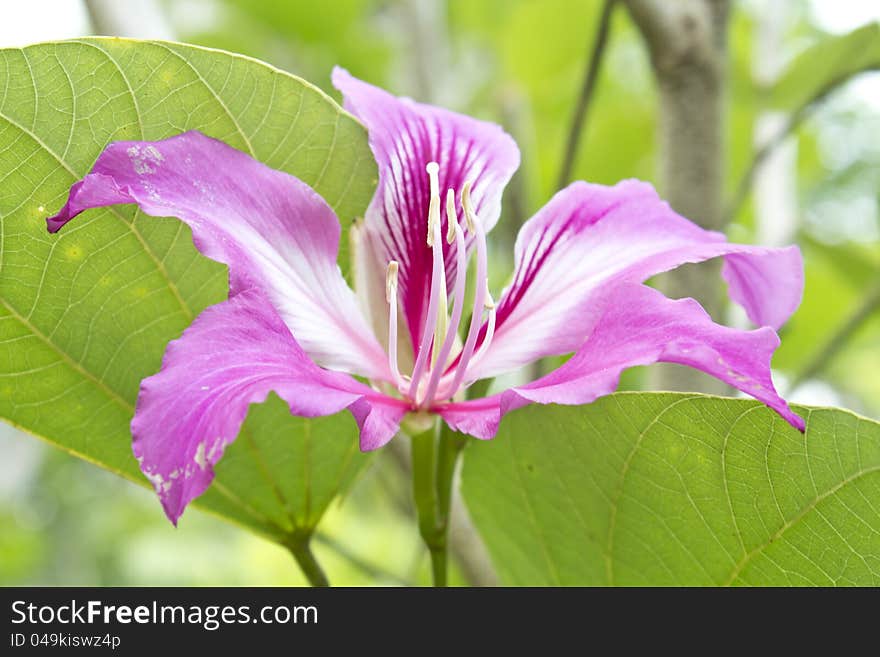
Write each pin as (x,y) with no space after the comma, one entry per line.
(424,456)
(300,548)
(451,444)
(423,460)
(434,456)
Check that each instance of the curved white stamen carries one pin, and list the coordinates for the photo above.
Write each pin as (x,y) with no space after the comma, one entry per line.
(459,290)
(489,302)
(489,305)
(391,298)
(448,380)
(481,291)
(448,386)
(438,280)
(469,216)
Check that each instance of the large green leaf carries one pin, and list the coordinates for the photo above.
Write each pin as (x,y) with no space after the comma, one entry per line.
(285,471)
(820,69)
(86,314)
(677,489)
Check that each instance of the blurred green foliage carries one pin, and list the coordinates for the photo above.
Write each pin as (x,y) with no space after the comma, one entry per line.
(519,63)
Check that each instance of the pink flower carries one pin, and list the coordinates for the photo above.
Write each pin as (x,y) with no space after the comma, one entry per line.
(292,325)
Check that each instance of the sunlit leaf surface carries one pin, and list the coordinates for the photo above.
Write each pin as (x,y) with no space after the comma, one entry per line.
(86,314)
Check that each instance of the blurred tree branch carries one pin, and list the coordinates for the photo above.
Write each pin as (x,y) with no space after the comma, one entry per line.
(594,64)
(377,573)
(744,186)
(513,110)
(846,56)
(870,304)
(794,121)
(775,179)
(686,41)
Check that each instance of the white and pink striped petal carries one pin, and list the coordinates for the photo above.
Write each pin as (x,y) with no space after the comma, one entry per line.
(637,325)
(592,237)
(405,136)
(272,230)
(232,356)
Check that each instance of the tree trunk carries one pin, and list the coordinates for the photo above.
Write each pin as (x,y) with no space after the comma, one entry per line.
(686,40)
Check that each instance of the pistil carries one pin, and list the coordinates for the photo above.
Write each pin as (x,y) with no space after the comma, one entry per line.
(454,233)
(438,281)
(431,378)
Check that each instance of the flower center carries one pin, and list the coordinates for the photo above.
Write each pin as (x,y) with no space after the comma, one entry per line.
(438,373)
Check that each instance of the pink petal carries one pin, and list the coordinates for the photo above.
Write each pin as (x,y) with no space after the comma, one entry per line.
(232,356)
(591,236)
(405,136)
(639,326)
(273,231)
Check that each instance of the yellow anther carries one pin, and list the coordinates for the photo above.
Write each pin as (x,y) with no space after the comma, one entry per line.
(433,218)
(451,216)
(467,207)
(391,282)
(488,302)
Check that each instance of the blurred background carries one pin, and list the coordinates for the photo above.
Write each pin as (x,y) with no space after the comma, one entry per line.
(520,63)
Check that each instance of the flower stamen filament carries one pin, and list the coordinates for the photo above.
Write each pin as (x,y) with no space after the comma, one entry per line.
(432,377)
(391,298)
(489,305)
(481,294)
(455,234)
(438,282)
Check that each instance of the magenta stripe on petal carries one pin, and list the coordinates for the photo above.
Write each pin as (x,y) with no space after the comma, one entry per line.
(589,237)
(405,136)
